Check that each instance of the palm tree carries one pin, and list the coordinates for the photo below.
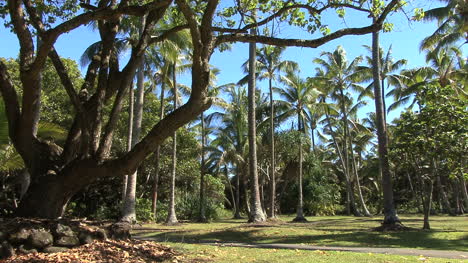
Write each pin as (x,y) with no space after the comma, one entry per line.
(171,216)
(129,202)
(269,64)
(297,95)
(256,211)
(390,216)
(388,67)
(338,76)
(213,92)
(452,24)
(231,139)
(161,57)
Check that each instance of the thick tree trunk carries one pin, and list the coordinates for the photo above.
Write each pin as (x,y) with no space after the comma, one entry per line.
(256,213)
(390,214)
(272,154)
(48,195)
(47,199)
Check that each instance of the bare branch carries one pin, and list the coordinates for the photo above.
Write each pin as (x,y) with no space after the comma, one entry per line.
(313,43)
(65,80)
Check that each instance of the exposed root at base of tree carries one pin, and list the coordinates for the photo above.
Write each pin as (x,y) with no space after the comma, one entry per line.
(300,220)
(131,251)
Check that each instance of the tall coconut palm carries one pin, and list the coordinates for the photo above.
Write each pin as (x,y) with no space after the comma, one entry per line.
(171,216)
(270,65)
(296,96)
(338,76)
(231,138)
(129,202)
(160,58)
(213,92)
(256,211)
(390,214)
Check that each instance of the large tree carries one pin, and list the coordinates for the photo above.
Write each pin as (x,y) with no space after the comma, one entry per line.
(57,174)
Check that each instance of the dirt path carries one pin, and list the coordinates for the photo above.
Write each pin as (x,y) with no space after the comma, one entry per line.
(379,250)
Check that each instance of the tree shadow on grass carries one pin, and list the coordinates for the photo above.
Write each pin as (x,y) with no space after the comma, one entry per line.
(422,239)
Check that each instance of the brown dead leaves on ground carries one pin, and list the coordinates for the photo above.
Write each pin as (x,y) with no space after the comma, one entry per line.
(131,251)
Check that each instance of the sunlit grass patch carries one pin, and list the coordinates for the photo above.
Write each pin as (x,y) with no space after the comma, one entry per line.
(447,233)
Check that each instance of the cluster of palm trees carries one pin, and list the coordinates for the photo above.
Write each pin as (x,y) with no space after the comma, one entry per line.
(323,107)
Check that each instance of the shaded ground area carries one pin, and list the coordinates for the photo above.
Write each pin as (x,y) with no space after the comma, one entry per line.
(448,233)
(133,251)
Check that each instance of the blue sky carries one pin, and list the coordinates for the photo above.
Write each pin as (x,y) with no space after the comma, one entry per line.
(404,39)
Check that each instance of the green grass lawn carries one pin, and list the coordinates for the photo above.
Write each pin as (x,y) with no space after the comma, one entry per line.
(206,253)
(447,233)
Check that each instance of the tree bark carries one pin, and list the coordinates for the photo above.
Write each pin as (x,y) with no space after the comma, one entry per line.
(129,204)
(390,214)
(129,139)
(300,204)
(272,153)
(256,212)
(171,217)
(427,203)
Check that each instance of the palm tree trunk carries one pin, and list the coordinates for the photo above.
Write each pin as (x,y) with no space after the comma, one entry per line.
(202,216)
(343,164)
(233,198)
(237,211)
(358,184)
(256,212)
(383,99)
(300,204)
(390,215)
(272,153)
(312,131)
(171,217)
(129,138)
(346,136)
(154,201)
(129,211)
